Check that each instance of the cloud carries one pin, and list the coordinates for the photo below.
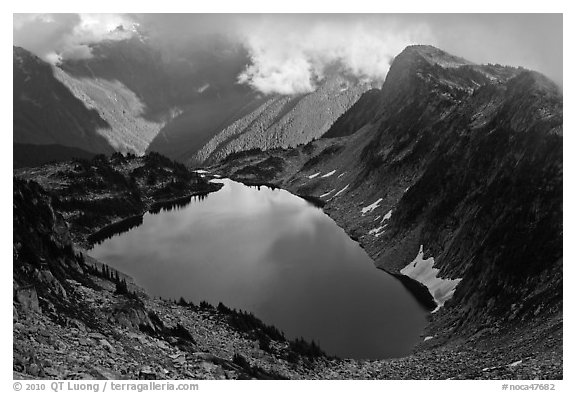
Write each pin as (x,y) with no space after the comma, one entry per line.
(58,37)
(289,54)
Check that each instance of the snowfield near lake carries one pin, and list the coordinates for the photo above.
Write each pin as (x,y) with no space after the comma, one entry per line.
(371,207)
(423,271)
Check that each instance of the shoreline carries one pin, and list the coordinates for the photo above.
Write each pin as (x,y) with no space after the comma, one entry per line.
(417,289)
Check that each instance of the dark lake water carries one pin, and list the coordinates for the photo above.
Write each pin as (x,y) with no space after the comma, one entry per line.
(272,253)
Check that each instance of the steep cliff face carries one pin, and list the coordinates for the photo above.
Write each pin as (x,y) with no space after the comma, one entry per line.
(483,146)
(43,255)
(452,176)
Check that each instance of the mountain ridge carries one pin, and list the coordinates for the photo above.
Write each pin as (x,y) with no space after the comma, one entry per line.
(452,176)
(128,93)
(285,121)
(46,112)
(459,171)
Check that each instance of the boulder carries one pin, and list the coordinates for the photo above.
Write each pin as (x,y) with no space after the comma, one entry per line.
(147,372)
(27,297)
(102,373)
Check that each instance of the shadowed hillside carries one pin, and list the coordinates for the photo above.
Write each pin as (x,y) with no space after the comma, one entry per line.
(453,177)
(26,155)
(46,112)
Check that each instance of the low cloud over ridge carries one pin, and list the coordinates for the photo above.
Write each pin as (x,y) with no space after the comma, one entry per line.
(290,53)
(58,37)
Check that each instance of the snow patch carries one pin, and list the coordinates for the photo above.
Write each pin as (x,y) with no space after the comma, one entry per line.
(517,363)
(371,207)
(203,88)
(428,338)
(377,231)
(313,176)
(341,191)
(386,216)
(327,193)
(423,271)
(342,174)
(201,171)
(329,174)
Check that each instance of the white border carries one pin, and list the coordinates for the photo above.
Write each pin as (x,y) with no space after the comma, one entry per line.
(266,6)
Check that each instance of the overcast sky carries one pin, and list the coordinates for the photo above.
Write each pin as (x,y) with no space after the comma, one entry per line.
(288,51)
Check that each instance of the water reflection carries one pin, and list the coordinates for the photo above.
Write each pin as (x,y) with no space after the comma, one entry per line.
(271,253)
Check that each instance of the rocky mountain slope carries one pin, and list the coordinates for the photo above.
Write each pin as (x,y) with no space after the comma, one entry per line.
(133,96)
(179,101)
(46,112)
(196,125)
(125,94)
(285,121)
(453,177)
(52,106)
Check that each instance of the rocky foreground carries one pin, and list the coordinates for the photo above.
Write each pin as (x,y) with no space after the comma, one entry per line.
(188,342)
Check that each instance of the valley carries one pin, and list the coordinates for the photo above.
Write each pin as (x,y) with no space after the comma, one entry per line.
(139,100)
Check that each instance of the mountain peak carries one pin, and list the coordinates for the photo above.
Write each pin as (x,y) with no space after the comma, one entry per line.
(418,64)
(432,55)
